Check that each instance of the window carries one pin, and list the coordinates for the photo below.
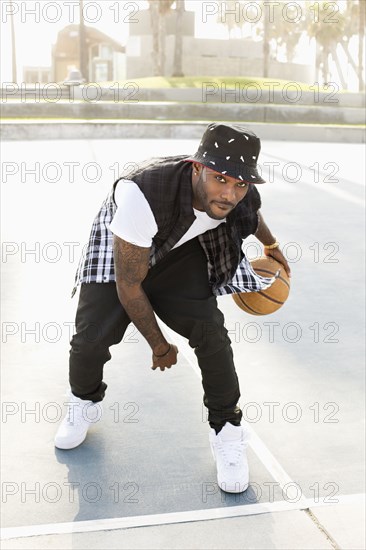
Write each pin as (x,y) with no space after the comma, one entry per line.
(106,51)
(101,72)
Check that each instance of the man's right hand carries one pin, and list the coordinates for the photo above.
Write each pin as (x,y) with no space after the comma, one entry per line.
(167,360)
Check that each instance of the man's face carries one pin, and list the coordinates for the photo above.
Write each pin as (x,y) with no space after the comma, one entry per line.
(215,193)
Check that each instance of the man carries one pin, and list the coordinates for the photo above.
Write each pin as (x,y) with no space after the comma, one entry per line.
(167,241)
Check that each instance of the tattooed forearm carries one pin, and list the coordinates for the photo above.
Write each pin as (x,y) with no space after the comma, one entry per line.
(131,266)
(142,315)
(131,262)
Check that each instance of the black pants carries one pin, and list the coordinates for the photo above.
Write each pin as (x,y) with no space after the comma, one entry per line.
(178,290)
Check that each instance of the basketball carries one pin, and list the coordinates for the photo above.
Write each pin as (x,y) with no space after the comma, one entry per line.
(270,300)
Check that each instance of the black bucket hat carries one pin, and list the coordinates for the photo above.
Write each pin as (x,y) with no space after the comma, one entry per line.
(230,149)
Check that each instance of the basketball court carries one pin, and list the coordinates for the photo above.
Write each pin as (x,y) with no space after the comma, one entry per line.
(145,478)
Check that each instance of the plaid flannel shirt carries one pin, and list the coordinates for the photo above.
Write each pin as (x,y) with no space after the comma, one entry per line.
(229,270)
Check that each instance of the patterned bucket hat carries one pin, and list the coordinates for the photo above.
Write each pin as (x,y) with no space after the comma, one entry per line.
(230,149)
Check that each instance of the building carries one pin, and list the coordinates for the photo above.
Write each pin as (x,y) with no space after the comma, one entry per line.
(200,56)
(31,75)
(105,56)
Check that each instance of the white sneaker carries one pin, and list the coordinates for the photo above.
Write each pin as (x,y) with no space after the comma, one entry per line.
(229,451)
(74,427)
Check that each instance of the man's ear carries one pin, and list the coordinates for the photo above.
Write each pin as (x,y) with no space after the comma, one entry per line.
(197,167)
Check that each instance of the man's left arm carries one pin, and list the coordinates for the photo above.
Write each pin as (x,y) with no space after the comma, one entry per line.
(265,236)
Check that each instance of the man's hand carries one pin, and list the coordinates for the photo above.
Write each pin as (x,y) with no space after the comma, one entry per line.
(166,360)
(276,254)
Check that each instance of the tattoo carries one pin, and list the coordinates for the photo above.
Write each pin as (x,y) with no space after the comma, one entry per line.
(131,267)
(131,262)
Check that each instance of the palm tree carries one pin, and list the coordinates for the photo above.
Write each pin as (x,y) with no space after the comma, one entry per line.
(13,52)
(355,26)
(178,47)
(361,42)
(154,17)
(328,36)
(266,41)
(350,22)
(158,10)
(231,22)
(231,15)
(285,33)
(281,32)
(83,58)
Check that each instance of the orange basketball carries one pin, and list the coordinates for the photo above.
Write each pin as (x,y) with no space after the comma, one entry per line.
(270,300)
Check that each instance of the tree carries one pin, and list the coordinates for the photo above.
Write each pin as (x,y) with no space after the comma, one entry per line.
(255,19)
(230,16)
(178,46)
(279,32)
(266,46)
(158,10)
(154,18)
(355,26)
(328,33)
(361,43)
(286,32)
(237,15)
(83,51)
(335,30)
(13,51)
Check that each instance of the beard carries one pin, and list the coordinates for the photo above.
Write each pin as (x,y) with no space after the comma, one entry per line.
(205,203)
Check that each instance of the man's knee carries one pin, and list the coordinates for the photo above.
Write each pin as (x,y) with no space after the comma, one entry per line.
(209,337)
(92,339)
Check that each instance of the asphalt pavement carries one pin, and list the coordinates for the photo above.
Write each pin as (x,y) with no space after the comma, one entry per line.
(145,478)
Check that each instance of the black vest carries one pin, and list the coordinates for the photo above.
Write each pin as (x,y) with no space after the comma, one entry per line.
(166,183)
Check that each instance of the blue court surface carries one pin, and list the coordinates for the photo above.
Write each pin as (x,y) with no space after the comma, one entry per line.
(145,477)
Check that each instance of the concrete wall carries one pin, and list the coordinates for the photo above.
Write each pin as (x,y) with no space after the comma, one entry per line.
(145,111)
(140,23)
(119,66)
(211,57)
(170,130)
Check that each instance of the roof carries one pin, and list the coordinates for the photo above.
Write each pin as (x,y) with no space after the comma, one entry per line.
(67,42)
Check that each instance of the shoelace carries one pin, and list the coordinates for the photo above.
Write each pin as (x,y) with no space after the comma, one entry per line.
(73,414)
(231,452)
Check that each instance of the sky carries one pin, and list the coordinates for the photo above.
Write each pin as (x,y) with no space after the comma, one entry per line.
(38,22)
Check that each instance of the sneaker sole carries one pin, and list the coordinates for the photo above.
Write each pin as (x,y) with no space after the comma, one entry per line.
(237,488)
(69,446)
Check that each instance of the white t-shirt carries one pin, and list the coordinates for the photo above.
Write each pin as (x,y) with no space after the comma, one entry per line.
(134,221)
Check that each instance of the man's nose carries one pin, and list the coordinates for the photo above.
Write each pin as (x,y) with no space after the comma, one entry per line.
(228,193)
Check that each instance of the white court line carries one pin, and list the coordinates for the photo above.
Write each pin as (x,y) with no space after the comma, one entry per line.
(269,462)
(258,446)
(171,518)
(263,453)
